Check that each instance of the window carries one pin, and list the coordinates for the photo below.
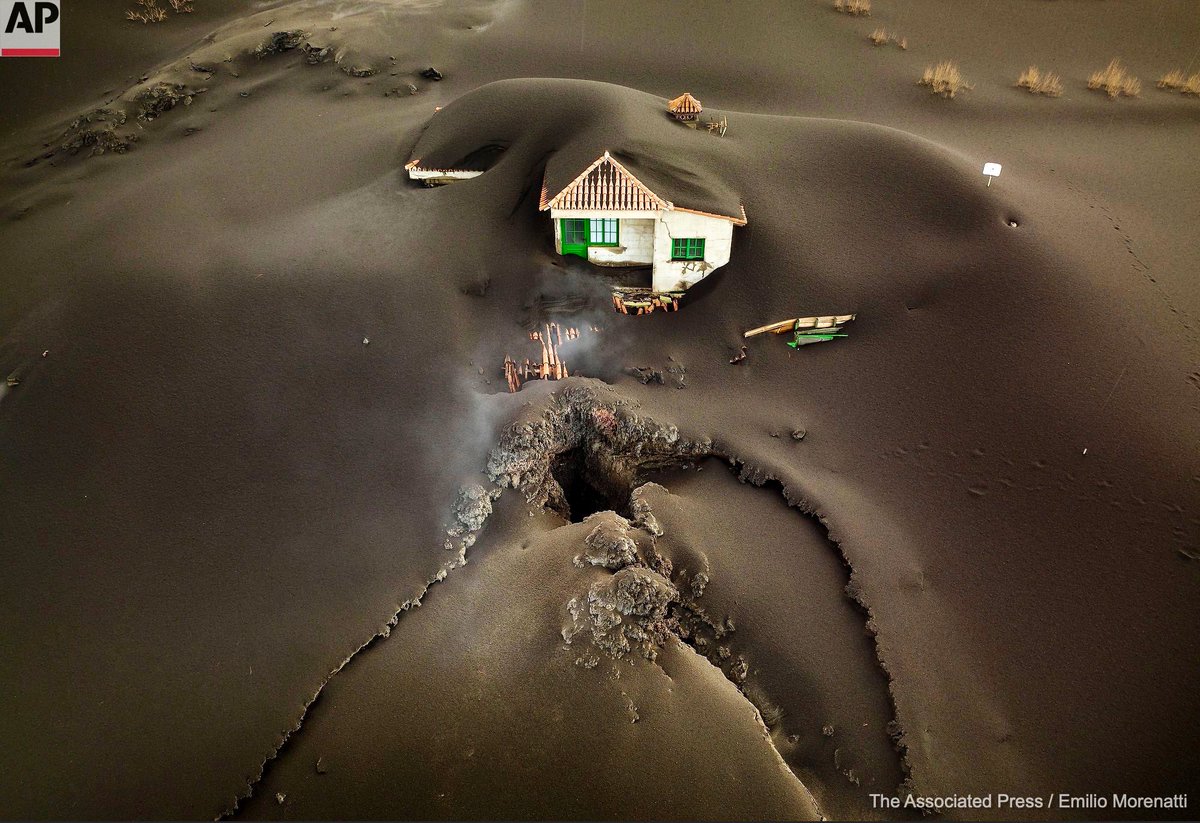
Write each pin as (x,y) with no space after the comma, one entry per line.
(604,232)
(574,232)
(687,248)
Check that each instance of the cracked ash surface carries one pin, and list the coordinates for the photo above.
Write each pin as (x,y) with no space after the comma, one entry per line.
(645,689)
(648,600)
(217,501)
(644,595)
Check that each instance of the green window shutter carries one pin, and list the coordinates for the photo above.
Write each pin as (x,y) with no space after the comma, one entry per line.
(687,248)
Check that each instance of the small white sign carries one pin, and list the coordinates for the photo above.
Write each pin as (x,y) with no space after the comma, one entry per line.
(991,169)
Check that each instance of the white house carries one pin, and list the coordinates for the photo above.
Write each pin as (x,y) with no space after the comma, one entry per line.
(610,218)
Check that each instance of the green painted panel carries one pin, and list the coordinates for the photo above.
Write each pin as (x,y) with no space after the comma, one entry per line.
(575,236)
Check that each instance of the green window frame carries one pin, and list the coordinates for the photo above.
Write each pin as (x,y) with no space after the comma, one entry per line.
(687,248)
(605,232)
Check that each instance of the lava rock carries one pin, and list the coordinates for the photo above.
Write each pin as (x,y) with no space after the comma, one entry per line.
(314,55)
(98,132)
(473,506)
(609,544)
(280,42)
(431,74)
(642,593)
(645,375)
(162,97)
(623,614)
(643,514)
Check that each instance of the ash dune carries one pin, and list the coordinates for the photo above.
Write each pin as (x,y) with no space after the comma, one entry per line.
(552,740)
(271,363)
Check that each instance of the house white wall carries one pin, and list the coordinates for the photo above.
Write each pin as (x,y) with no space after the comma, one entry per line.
(636,238)
(677,275)
(645,239)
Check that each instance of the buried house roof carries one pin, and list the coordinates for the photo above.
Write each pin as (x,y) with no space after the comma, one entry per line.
(607,185)
(479,161)
(685,104)
(415,166)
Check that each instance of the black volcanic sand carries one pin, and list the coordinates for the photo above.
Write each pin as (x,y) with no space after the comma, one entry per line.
(270,363)
(772,576)
(458,724)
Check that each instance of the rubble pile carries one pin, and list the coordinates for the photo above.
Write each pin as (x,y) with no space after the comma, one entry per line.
(162,97)
(604,441)
(97,132)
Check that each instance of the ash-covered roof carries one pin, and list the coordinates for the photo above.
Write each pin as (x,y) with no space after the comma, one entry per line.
(479,160)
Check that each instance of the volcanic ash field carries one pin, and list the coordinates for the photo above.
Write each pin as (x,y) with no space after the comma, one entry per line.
(278,541)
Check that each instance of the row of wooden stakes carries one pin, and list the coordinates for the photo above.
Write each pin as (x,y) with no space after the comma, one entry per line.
(551,367)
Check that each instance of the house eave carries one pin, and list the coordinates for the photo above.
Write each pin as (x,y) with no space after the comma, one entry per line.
(737,221)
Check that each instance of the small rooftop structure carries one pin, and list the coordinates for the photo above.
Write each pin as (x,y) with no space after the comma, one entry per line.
(685,107)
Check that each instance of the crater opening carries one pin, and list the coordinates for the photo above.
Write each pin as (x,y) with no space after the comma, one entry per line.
(584,455)
(1012,222)
(587,486)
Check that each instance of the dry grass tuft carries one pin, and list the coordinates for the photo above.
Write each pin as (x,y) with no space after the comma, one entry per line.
(1115,81)
(858,8)
(1176,80)
(1048,83)
(148,11)
(881,37)
(944,79)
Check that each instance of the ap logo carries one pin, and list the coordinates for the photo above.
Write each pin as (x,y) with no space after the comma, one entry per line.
(30,28)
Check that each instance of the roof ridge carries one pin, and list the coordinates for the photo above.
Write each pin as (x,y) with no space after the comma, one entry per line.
(613,194)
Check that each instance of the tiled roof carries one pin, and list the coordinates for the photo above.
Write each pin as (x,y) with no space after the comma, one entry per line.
(685,104)
(606,185)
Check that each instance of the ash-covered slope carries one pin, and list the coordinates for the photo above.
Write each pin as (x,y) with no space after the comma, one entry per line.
(481,711)
(271,363)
